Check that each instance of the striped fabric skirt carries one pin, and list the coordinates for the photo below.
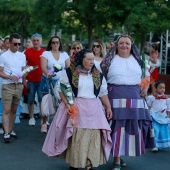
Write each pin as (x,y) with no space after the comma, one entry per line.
(132,130)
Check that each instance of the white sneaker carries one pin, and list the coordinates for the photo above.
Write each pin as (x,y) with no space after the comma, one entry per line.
(155,150)
(31,122)
(1,131)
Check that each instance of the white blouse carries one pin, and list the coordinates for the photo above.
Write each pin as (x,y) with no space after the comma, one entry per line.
(158,105)
(85,86)
(63,56)
(97,64)
(124,71)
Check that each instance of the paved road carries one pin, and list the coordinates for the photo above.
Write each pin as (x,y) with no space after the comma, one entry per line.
(25,154)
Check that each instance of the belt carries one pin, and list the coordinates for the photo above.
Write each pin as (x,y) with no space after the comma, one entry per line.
(19,83)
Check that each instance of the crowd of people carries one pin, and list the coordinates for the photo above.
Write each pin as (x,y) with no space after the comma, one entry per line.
(104,109)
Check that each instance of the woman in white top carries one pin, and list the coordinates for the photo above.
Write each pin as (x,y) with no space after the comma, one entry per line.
(52,55)
(131,122)
(99,51)
(88,143)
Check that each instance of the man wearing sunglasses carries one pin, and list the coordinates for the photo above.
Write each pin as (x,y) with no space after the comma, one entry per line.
(12,62)
(33,56)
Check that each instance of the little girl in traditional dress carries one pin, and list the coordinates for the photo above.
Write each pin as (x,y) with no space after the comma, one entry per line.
(159,105)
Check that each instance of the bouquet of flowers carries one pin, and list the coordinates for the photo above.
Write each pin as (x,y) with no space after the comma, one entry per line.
(67,91)
(56,68)
(26,70)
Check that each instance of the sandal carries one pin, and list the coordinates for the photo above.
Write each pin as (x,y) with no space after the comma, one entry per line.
(72,168)
(116,167)
(88,167)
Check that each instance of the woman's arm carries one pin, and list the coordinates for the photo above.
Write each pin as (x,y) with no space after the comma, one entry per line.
(44,67)
(104,99)
(67,63)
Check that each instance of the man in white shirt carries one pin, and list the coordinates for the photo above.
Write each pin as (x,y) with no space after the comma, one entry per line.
(12,63)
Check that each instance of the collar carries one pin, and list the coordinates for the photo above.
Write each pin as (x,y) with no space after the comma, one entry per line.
(160,96)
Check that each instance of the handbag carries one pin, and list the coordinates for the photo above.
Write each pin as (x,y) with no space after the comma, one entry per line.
(49,103)
(48,106)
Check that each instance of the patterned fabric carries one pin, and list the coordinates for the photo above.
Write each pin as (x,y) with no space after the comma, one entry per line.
(105,64)
(132,144)
(92,116)
(128,103)
(76,67)
(84,148)
(132,129)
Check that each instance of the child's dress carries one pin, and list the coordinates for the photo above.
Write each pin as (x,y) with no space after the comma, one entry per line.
(160,104)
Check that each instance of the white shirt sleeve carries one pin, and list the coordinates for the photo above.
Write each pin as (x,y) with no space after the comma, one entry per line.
(168,104)
(150,100)
(63,79)
(45,54)
(103,88)
(66,56)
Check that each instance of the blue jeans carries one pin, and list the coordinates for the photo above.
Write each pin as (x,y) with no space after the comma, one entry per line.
(33,88)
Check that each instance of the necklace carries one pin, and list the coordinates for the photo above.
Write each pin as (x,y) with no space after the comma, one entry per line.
(85,71)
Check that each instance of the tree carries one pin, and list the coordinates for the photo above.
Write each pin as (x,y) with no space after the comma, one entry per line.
(148,16)
(15,17)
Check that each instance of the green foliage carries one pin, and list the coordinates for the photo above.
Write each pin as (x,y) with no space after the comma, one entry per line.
(88,19)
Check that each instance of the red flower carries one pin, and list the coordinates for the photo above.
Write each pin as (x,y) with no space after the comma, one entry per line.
(96,72)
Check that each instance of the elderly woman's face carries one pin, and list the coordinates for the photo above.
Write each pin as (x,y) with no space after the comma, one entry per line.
(88,61)
(124,47)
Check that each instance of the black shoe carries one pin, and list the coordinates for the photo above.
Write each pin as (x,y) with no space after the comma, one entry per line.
(13,135)
(7,138)
(72,168)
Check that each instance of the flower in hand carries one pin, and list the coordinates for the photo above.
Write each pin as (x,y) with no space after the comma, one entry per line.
(57,67)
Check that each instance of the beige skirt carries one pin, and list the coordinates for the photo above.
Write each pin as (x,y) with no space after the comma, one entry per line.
(84,147)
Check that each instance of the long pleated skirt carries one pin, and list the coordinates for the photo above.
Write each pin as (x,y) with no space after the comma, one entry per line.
(132,129)
(87,142)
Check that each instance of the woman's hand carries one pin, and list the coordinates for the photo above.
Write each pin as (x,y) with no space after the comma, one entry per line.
(25,84)
(109,113)
(143,92)
(68,109)
(49,76)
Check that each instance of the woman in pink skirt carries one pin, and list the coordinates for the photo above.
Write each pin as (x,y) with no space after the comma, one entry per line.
(88,144)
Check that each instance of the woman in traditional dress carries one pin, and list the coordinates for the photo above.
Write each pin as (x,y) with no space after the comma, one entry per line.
(88,144)
(131,122)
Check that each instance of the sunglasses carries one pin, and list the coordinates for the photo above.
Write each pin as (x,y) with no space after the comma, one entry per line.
(76,48)
(96,46)
(36,35)
(55,42)
(15,44)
